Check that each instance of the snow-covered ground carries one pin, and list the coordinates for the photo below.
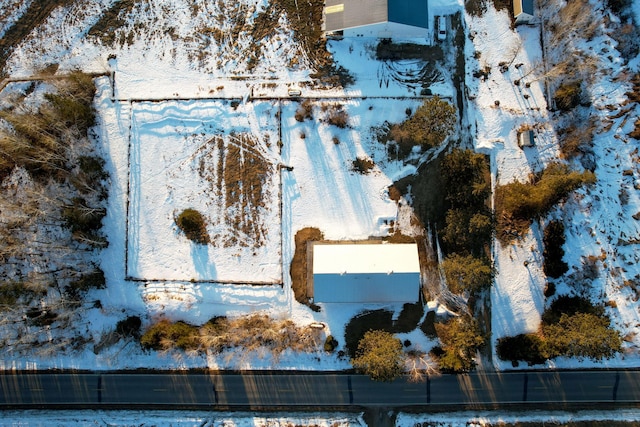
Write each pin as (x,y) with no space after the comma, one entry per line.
(166,110)
(165,123)
(598,223)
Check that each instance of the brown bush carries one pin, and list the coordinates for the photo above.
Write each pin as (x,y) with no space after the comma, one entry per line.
(339,118)
(193,225)
(567,96)
(362,165)
(576,140)
(305,111)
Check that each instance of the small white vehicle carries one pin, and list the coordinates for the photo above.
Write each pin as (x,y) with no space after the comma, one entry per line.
(295,92)
(442,27)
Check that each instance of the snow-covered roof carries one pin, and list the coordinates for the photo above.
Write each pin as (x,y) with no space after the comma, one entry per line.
(365,273)
(341,14)
(365,258)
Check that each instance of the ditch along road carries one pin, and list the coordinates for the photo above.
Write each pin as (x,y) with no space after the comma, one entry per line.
(290,390)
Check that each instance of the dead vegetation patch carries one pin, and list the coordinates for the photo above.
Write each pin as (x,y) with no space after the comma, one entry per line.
(299,262)
(52,196)
(105,29)
(35,15)
(248,333)
(238,172)
(577,140)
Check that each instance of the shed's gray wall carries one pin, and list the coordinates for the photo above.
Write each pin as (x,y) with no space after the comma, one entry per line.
(364,287)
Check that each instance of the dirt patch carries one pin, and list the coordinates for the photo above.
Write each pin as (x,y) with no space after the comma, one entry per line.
(299,262)
(397,51)
(35,15)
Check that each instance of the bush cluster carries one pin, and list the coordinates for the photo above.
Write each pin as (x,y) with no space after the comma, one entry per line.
(567,96)
(41,142)
(90,176)
(382,320)
(518,203)
(82,218)
(465,273)
(529,348)
(129,327)
(164,335)
(461,338)
(330,344)
(92,280)
(12,292)
(429,126)
(379,355)
(468,222)
(249,333)
(193,225)
(571,327)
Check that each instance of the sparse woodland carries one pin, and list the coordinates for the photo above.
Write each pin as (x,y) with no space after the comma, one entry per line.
(53,200)
(571,326)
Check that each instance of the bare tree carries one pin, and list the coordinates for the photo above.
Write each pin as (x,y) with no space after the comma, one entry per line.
(419,366)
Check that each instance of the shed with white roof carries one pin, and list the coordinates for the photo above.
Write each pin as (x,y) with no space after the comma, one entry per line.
(365,272)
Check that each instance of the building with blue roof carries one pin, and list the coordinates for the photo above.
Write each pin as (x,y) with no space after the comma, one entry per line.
(377,18)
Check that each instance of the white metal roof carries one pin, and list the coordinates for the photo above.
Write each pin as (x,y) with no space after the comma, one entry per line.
(365,258)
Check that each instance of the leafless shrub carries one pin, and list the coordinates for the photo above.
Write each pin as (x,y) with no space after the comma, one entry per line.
(339,118)
(419,366)
(362,165)
(577,139)
(305,111)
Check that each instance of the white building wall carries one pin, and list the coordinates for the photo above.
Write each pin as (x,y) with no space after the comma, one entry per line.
(388,30)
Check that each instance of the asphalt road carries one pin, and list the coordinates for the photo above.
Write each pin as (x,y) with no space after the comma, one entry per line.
(266,389)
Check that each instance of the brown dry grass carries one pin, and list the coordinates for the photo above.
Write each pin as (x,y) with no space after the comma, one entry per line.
(576,140)
(111,20)
(245,174)
(249,333)
(305,111)
(37,12)
(238,177)
(299,262)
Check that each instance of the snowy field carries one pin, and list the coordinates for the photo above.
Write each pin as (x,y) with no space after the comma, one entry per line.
(167,141)
(217,159)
